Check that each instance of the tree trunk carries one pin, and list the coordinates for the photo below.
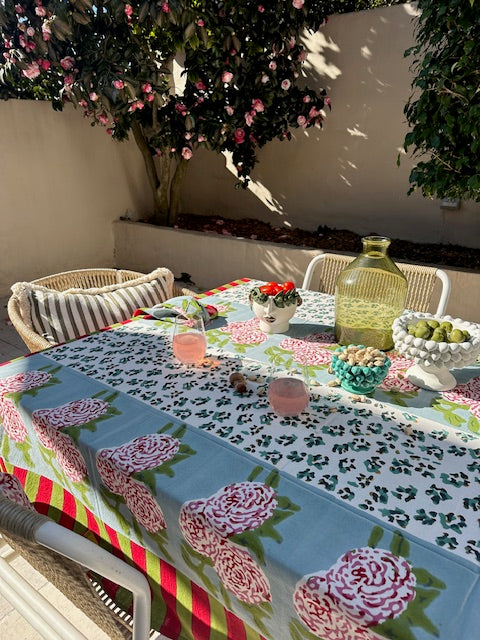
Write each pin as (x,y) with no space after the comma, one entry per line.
(158,187)
(175,190)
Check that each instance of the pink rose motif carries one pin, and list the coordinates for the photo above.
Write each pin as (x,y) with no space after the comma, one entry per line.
(320,613)
(73,413)
(143,506)
(245,331)
(197,530)
(70,460)
(371,585)
(227,76)
(12,423)
(47,435)
(11,487)
(240,507)
(241,575)
(395,378)
(310,350)
(145,452)
(24,381)
(111,476)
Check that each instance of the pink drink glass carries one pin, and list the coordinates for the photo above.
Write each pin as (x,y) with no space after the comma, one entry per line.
(189,343)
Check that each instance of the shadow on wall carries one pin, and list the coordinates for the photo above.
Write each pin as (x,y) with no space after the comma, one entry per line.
(344,175)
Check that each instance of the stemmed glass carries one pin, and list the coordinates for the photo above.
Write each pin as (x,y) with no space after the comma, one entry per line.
(189,343)
(288,392)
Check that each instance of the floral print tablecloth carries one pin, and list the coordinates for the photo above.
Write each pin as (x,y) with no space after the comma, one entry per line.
(357,520)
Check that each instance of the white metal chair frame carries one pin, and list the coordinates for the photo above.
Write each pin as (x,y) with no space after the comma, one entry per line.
(43,616)
(340,261)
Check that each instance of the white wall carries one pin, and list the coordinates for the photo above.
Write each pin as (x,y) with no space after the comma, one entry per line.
(62,183)
(344,176)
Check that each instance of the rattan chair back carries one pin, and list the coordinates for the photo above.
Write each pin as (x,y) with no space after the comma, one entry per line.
(323,271)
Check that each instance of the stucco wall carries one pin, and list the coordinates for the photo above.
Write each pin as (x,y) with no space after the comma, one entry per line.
(345,175)
(62,183)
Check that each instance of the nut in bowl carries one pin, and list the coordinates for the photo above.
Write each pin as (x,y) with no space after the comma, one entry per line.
(435,344)
(360,369)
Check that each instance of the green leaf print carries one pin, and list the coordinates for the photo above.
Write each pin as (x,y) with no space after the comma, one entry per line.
(473,424)
(375,536)
(399,546)
(256,471)
(425,578)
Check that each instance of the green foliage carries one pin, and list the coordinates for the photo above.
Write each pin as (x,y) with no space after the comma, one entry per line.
(444,108)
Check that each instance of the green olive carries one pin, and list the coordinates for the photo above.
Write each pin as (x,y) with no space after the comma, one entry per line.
(446,326)
(423,332)
(433,323)
(439,336)
(456,335)
(466,335)
(411,329)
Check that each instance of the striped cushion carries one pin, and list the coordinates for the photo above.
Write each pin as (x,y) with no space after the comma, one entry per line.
(63,315)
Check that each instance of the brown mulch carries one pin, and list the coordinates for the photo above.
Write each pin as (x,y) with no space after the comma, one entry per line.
(448,255)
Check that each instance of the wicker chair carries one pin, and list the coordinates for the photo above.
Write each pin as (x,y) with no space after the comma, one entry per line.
(61,555)
(78,279)
(421,280)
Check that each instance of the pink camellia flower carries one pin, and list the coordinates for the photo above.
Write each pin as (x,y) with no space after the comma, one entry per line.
(19,9)
(128,10)
(110,473)
(257,105)
(24,381)
(68,80)
(261,8)
(150,97)
(265,79)
(187,153)
(181,108)
(197,530)
(200,22)
(6,55)
(229,110)
(70,460)
(302,121)
(286,84)
(93,96)
(46,32)
(118,84)
(165,7)
(31,71)
(302,56)
(30,31)
(45,64)
(12,423)
(328,101)
(200,85)
(240,507)
(147,87)
(145,452)
(306,98)
(249,116)
(40,11)
(109,132)
(239,135)
(83,103)
(67,63)
(272,65)
(227,76)
(188,135)
(245,331)
(200,138)
(298,4)
(7,44)
(103,119)
(371,585)
(241,575)
(137,104)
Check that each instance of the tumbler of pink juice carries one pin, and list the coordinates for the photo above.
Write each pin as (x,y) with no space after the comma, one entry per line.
(288,395)
(189,343)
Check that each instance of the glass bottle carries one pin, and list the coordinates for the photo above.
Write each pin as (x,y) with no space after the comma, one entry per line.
(369,294)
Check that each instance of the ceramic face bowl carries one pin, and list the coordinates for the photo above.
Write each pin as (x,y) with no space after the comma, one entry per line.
(360,369)
(435,353)
(275,305)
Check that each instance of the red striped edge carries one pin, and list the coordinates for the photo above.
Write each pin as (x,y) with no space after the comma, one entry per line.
(225,287)
(235,627)
(200,613)
(168,581)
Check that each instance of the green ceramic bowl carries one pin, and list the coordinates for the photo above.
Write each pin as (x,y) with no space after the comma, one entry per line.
(356,378)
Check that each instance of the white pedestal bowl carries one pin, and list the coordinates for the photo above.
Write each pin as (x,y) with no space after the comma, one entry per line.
(433,360)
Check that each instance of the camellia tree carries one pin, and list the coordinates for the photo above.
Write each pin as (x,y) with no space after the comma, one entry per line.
(444,110)
(242,74)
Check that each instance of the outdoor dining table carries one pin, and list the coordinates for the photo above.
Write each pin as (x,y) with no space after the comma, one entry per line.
(357,520)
